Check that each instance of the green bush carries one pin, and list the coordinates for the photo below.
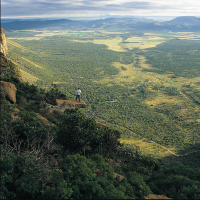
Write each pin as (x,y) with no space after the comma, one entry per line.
(176,182)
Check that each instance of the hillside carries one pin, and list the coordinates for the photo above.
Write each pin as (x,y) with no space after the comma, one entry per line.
(52,154)
(144,84)
(41,156)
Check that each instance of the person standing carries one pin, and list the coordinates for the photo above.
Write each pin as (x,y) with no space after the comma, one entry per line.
(78,94)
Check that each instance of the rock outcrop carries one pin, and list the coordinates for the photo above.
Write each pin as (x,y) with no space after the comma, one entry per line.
(10,90)
(70,103)
(62,105)
(4,48)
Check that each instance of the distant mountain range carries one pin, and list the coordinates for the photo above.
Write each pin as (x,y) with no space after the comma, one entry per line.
(179,24)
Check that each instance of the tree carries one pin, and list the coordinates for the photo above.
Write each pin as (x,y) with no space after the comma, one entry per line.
(75,131)
(178,182)
(79,173)
(80,134)
(54,94)
(26,133)
(23,178)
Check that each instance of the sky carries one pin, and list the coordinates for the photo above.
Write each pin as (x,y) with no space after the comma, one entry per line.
(69,9)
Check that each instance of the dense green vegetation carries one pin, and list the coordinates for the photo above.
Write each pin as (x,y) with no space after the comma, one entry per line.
(177,57)
(71,157)
(122,104)
(176,182)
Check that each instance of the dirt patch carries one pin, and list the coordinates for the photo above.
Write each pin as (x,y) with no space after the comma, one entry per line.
(155,196)
(101,124)
(71,103)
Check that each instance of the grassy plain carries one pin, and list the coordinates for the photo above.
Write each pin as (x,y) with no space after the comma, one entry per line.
(28,77)
(143,42)
(127,81)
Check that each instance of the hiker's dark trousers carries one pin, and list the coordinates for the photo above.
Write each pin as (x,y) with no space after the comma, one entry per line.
(78,97)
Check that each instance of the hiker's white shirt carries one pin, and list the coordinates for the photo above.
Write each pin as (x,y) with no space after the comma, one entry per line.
(78,92)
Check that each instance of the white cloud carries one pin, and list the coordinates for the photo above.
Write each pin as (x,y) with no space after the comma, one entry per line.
(67,8)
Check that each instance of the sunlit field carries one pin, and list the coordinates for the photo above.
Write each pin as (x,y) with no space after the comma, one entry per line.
(28,77)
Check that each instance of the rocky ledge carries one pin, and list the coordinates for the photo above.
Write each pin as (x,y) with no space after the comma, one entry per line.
(62,105)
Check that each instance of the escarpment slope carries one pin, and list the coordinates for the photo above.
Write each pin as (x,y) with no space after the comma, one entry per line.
(4,48)
(59,141)
(10,75)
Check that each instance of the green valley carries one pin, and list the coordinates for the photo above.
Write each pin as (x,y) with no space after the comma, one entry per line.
(147,85)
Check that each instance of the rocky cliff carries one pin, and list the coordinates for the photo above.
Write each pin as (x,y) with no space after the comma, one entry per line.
(4,48)
(10,90)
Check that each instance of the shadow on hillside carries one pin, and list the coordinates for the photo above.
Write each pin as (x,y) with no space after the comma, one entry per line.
(190,157)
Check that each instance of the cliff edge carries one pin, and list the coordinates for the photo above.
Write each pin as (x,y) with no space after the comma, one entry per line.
(66,104)
(4,48)
(9,72)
